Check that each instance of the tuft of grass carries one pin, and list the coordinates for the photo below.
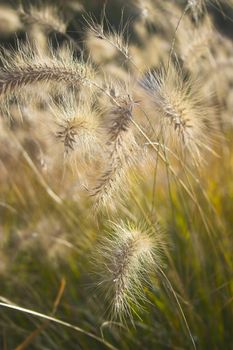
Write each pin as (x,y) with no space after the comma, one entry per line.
(129,254)
(109,125)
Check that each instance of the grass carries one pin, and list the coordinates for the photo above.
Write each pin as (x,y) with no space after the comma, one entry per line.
(116,183)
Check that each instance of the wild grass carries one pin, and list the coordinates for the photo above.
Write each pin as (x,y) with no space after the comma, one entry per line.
(116,176)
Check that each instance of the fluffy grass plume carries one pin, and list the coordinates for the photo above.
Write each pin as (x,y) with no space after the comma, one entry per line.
(76,124)
(121,147)
(128,254)
(124,111)
(186,120)
(24,67)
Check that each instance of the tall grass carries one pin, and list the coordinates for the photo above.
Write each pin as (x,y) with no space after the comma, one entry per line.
(115,168)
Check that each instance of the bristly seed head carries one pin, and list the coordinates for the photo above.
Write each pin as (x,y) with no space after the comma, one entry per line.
(76,124)
(127,257)
(121,150)
(67,134)
(120,116)
(186,119)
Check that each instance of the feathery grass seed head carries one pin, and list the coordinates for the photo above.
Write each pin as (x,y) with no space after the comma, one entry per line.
(77,125)
(117,39)
(121,150)
(186,118)
(24,67)
(127,257)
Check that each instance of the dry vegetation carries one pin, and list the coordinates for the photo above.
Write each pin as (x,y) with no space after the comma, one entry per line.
(116,175)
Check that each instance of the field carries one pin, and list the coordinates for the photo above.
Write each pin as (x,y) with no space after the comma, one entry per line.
(116,167)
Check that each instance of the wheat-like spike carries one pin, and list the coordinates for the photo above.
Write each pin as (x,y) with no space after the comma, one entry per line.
(24,68)
(125,258)
(186,118)
(111,36)
(121,150)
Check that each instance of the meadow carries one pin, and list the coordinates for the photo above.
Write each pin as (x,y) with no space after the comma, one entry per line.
(116,167)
